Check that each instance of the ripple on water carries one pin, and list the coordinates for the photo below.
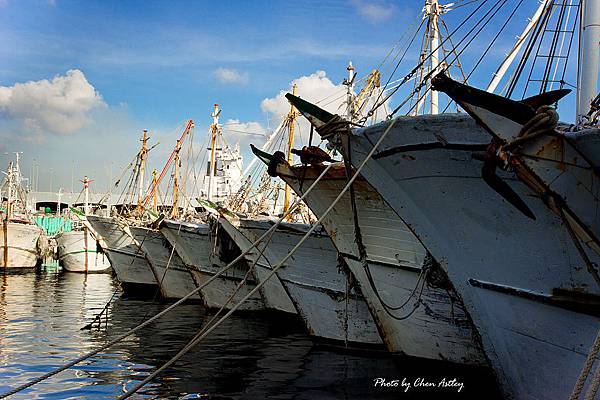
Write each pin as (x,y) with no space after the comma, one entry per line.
(249,356)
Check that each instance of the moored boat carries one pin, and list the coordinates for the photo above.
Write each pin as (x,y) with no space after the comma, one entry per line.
(174,277)
(414,304)
(126,258)
(312,280)
(78,250)
(204,258)
(522,280)
(22,243)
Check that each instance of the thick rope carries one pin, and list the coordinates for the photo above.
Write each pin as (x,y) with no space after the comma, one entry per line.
(585,372)
(273,270)
(594,384)
(166,310)
(544,121)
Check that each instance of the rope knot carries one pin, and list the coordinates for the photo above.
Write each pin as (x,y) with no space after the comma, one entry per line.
(543,122)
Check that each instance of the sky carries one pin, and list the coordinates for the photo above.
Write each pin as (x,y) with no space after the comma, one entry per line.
(79,81)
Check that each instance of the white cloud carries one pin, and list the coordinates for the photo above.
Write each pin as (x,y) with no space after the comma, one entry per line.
(61,105)
(316,88)
(244,133)
(373,11)
(229,75)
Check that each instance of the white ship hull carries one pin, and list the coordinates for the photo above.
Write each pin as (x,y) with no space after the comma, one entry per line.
(127,260)
(192,243)
(274,295)
(522,280)
(438,327)
(174,277)
(23,245)
(313,281)
(77,251)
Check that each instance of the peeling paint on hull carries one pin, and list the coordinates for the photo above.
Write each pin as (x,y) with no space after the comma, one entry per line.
(126,258)
(75,247)
(273,293)
(174,277)
(22,245)
(193,245)
(439,328)
(439,193)
(315,284)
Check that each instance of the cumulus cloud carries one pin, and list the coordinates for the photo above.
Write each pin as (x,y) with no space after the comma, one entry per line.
(316,88)
(373,11)
(244,133)
(61,105)
(229,75)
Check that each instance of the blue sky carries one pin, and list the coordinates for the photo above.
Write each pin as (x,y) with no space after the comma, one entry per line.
(155,64)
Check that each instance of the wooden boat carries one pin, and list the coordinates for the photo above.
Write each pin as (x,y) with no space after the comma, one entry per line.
(22,243)
(204,258)
(416,308)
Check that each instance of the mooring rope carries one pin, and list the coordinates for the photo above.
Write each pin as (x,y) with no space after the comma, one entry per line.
(585,372)
(166,310)
(273,270)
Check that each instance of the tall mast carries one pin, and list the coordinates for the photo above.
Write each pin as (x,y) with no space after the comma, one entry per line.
(143,155)
(9,196)
(175,210)
(290,157)
(349,82)
(154,197)
(214,130)
(434,10)
(154,188)
(86,190)
(589,36)
(7,217)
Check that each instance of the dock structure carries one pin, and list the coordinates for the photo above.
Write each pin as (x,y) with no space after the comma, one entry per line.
(42,200)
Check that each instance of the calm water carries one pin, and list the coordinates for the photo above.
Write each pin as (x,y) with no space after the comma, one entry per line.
(249,356)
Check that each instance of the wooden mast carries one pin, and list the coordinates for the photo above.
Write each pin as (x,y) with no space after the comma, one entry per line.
(291,117)
(86,209)
(154,197)
(152,191)
(175,210)
(214,130)
(8,213)
(143,155)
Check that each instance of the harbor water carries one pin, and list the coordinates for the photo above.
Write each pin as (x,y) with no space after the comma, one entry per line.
(251,356)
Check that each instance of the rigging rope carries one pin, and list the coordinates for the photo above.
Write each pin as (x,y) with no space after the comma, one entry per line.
(276,268)
(165,311)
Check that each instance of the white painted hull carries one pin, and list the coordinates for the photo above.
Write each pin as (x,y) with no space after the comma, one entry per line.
(274,295)
(174,277)
(439,327)
(23,248)
(77,251)
(192,243)
(314,282)
(127,260)
(504,265)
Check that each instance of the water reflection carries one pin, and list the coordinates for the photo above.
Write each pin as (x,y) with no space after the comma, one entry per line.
(250,356)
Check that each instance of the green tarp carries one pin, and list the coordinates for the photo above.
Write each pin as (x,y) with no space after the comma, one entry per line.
(53,225)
